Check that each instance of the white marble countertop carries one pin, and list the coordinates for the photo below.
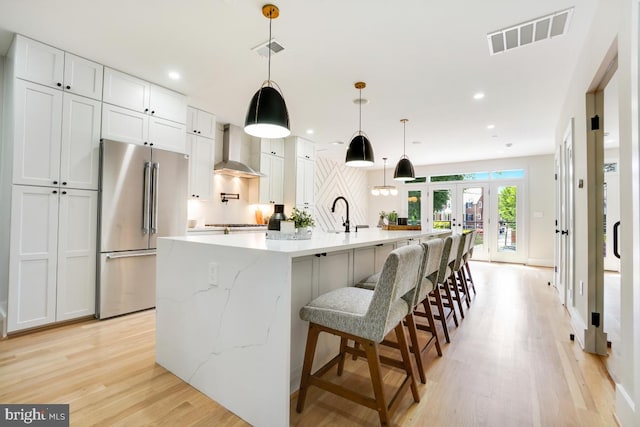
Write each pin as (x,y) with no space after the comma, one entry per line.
(320,242)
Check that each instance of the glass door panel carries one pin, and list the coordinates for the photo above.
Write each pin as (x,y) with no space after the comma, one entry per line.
(508,232)
(443,208)
(474,206)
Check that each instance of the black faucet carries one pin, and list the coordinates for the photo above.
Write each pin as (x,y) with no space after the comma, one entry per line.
(333,209)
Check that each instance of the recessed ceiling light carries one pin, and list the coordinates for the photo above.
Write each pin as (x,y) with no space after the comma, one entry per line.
(309,131)
(338,143)
(491,126)
(174,75)
(478,95)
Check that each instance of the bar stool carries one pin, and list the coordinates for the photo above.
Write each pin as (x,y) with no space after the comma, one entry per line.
(467,257)
(455,260)
(429,269)
(365,317)
(458,278)
(440,297)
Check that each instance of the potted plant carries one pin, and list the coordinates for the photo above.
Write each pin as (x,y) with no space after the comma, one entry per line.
(393,218)
(303,222)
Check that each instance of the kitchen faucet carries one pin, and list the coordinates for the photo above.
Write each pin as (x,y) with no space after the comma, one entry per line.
(333,209)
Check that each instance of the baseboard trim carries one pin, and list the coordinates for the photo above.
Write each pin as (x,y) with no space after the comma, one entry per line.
(540,262)
(3,323)
(579,328)
(625,407)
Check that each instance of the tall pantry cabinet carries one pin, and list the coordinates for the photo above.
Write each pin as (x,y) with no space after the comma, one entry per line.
(48,185)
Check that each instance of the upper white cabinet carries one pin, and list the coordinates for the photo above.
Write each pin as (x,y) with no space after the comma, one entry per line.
(167,135)
(272,146)
(138,95)
(46,65)
(300,172)
(272,184)
(201,123)
(56,137)
(201,155)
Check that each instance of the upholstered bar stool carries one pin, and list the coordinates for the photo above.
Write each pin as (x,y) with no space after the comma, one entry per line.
(429,268)
(467,257)
(458,278)
(440,297)
(365,317)
(455,259)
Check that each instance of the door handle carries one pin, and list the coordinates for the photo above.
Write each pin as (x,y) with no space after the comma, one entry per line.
(129,255)
(145,199)
(616,229)
(557,231)
(154,194)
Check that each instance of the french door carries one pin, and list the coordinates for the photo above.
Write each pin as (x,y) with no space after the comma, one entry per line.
(460,207)
(507,240)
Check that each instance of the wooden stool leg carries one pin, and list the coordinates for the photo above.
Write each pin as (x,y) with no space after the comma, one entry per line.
(356,345)
(432,324)
(376,379)
(415,346)
(309,352)
(408,366)
(453,284)
(473,286)
(443,316)
(465,287)
(343,353)
(449,297)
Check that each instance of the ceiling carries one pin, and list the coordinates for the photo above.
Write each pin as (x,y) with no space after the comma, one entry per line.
(421,59)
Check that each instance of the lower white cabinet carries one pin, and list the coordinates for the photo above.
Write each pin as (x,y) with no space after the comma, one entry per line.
(52,256)
(369,260)
(201,155)
(121,124)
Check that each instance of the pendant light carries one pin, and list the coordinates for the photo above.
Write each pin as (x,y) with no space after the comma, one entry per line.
(385,189)
(267,116)
(404,169)
(360,151)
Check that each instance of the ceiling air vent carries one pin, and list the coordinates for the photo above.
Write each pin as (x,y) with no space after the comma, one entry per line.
(263,49)
(535,30)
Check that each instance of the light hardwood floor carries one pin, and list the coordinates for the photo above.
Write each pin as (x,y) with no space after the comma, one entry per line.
(510,363)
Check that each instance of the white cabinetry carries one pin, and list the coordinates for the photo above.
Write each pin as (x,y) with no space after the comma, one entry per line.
(201,123)
(300,173)
(201,144)
(56,137)
(271,160)
(201,154)
(139,112)
(46,65)
(52,256)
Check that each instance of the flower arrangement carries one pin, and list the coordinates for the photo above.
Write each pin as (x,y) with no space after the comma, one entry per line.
(302,218)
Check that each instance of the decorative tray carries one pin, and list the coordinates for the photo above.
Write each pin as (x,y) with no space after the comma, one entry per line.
(402,227)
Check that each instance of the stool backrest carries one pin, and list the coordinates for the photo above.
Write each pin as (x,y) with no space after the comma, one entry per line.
(472,243)
(444,260)
(395,289)
(462,246)
(431,266)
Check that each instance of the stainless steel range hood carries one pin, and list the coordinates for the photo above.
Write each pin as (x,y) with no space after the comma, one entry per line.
(236,147)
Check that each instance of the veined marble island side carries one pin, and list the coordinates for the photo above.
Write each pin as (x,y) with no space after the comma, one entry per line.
(227,309)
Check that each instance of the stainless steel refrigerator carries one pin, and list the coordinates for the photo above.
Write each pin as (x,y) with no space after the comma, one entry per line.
(143,196)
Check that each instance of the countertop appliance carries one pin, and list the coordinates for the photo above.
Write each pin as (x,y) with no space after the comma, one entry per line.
(143,196)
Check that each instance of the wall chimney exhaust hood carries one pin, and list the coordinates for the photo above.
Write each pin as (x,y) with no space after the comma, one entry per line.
(235,149)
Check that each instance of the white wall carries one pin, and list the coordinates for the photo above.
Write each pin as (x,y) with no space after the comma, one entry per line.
(4,222)
(616,24)
(539,186)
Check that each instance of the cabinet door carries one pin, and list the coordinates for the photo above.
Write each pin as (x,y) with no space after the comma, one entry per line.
(76,278)
(167,135)
(276,183)
(121,124)
(272,146)
(125,91)
(33,255)
(305,149)
(305,181)
(265,181)
(38,62)
(192,120)
(206,124)
(364,264)
(167,104)
(83,77)
(37,134)
(381,253)
(80,153)
(201,155)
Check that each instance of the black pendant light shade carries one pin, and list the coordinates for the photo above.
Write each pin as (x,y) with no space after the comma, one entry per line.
(360,152)
(267,116)
(404,169)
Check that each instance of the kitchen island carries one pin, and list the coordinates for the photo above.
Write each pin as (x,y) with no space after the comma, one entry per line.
(227,309)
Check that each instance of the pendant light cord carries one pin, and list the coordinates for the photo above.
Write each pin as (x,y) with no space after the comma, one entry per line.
(384,172)
(269,48)
(404,138)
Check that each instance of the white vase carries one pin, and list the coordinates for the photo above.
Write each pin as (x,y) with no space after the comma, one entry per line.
(303,233)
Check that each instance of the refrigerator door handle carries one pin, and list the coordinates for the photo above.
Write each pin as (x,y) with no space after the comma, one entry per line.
(154,194)
(145,199)
(129,255)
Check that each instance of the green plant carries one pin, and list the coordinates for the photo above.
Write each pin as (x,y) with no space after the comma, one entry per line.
(302,219)
(393,216)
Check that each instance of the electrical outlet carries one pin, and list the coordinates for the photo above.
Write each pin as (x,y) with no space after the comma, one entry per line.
(213,273)
(581,287)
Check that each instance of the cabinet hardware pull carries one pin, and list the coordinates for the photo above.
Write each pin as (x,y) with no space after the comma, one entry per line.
(64,183)
(145,143)
(68,87)
(64,192)
(151,144)
(55,182)
(146,110)
(380,244)
(153,111)
(59,84)
(199,132)
(195,131)
(55,192)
